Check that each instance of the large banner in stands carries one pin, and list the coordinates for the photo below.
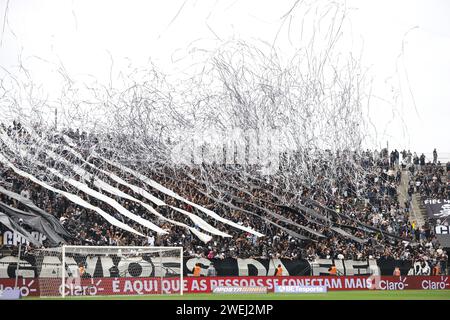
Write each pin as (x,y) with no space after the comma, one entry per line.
(13,238)
(137,286)
(145,266)
(443,235)
(437,208)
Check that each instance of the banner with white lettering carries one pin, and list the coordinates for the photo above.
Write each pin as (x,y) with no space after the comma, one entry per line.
(437,208)
(443,235)
(14,238)
(104,266)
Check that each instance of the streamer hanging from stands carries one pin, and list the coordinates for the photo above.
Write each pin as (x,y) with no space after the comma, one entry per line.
(117,192)
(73,198)
(170,193)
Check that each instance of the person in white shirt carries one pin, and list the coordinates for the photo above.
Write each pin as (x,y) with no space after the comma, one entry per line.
(25,193)
(426,269)
(151,240)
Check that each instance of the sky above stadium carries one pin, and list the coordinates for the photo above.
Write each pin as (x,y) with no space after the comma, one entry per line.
(405,43)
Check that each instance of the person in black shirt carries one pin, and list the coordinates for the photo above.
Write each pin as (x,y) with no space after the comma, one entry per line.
(422,159)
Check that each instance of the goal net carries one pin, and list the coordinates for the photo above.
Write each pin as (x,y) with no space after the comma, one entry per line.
(102,270)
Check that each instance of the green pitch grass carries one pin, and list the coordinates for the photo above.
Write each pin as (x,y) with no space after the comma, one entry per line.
(332,295)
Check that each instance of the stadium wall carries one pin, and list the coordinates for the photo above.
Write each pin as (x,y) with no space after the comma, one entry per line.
(138,286)
(104,266)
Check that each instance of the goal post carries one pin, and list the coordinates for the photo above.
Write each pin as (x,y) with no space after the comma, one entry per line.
(109,270)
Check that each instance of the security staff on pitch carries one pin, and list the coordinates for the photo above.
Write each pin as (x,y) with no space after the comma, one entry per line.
(81,270)
(279,271)
(196,270)
(436,270)
(333,270)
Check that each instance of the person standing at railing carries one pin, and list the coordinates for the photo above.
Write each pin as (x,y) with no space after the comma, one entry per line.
(408,157)
(443,259)
(279,271)
(436,269)
(81,270)
(422,161)
(416,161)
(197,269)
(333,270)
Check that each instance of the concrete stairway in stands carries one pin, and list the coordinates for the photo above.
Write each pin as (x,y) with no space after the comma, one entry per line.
(417,212)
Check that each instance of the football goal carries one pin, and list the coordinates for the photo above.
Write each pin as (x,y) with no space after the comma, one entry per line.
(109,270)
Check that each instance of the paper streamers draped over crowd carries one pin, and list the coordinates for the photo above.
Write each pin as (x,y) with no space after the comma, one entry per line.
(246,142)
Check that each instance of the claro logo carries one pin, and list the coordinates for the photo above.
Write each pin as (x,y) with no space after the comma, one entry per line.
(377,283)
(435,285)
(76,289)
(25,288)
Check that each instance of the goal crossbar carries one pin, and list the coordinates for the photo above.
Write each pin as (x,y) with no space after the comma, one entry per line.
(165,261)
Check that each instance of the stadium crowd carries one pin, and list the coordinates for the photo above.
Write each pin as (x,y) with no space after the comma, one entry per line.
(346,219)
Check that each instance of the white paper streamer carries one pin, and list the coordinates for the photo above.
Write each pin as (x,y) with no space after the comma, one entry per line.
(73,198)
(170,193)
(105,186)
(113,203)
